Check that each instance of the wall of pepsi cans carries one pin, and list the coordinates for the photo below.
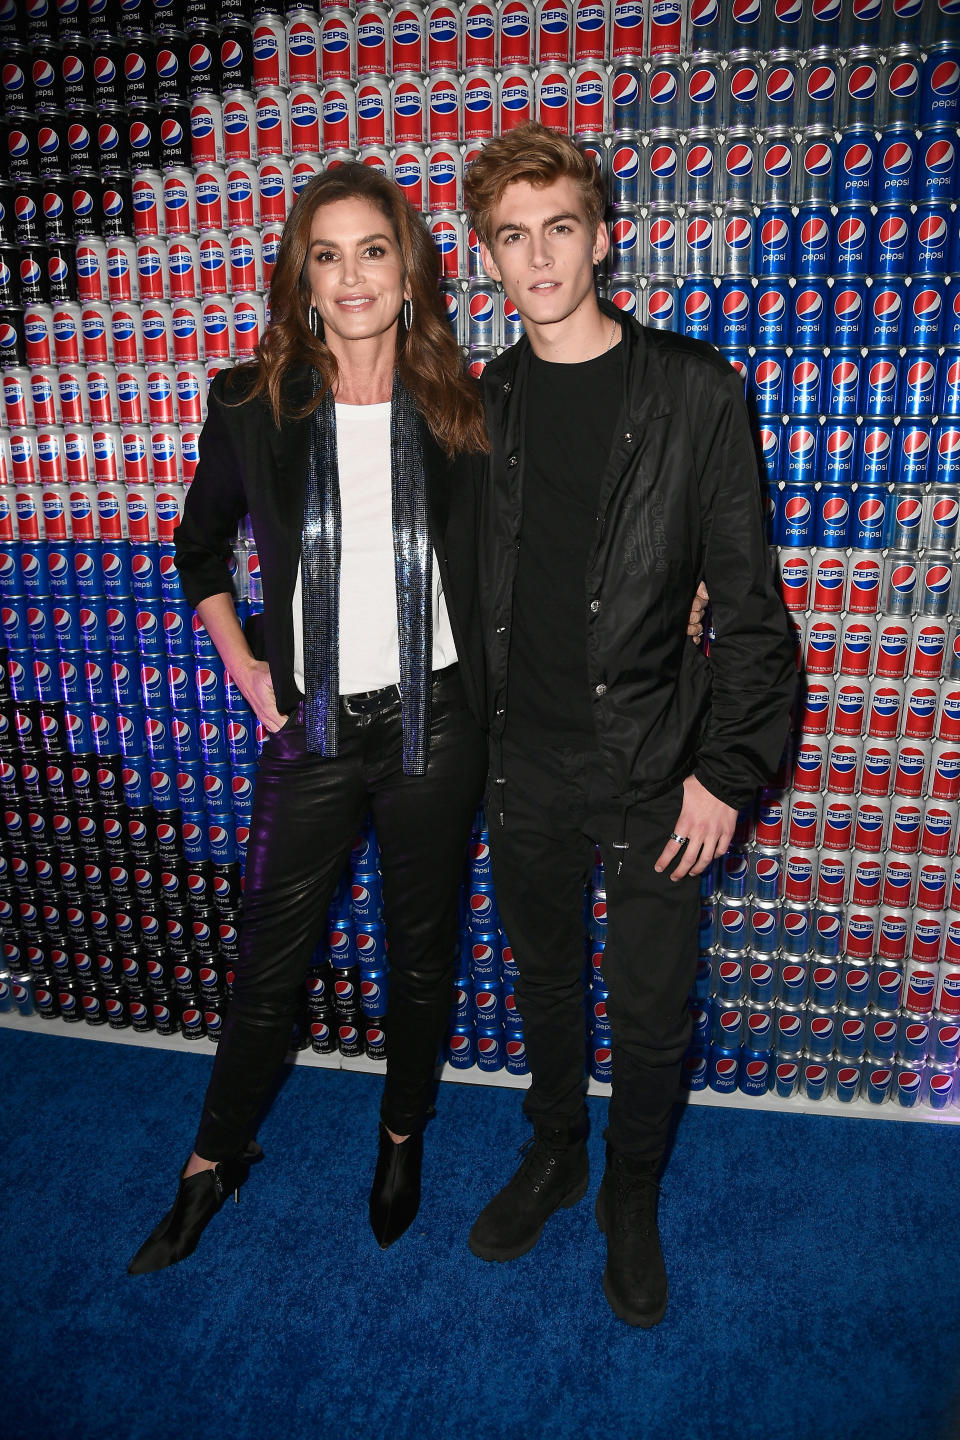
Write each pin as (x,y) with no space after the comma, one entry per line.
(783,180)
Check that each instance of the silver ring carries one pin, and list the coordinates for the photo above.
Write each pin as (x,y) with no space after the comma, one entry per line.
(680,839)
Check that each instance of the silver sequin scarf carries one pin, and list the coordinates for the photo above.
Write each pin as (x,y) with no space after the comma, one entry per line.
(413,564)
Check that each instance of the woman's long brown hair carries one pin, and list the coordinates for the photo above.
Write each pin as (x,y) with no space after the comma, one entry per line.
(428,357)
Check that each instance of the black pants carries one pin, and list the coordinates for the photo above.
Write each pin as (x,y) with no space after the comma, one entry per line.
(307,811)
(556,805)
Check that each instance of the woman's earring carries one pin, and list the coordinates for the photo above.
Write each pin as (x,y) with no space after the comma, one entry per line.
(316,323)
(408,315)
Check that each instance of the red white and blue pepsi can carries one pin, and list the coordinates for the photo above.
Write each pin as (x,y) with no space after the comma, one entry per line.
(918,376)
(734,313)
(860,77)
(946,471)
(780,171)
(699,241)
(724,1068)
(930,241)
(890,241)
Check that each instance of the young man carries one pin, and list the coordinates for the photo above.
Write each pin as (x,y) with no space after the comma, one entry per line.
(622,474)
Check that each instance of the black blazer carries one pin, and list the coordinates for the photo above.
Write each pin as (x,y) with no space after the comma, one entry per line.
(248,465)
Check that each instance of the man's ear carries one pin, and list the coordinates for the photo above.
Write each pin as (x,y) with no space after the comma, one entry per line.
(601,243)
(489,264)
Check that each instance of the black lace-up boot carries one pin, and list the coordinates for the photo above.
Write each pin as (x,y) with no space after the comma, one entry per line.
(635,1280)
(552,1175)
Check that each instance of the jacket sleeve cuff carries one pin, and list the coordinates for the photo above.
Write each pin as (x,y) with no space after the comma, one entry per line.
(729,794)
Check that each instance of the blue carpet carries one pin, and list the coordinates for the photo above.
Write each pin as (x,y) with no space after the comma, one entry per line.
(812,1268)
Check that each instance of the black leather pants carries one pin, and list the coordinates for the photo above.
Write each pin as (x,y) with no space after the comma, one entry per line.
(307,812)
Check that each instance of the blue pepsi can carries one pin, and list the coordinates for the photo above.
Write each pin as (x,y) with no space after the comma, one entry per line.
(770,444)
(951,315)
(871,510)
(843,385)
(135,779)
(733,313)
(940,86)
(832,502)
(946,452)
(697,299)
(923,322)
(115,569)
(812,241)
(895,166)
(814,1079)
(805,383)
(767,384)
(756,1073)
(851,242)
(60,568)
(801,443)
(948,384)
(724,1068)
(856,165)
(911,452)
(775,241)
(796,514)
(145,571)
(889,247)
(930,242)
(845,314)
(885,310)
(881,384)
(771,314)
(461,1047)
(489,1048)
(809,304)
(918,380)
(936,165)
(177,630)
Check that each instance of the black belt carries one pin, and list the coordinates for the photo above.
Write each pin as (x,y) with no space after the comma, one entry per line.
(372,702)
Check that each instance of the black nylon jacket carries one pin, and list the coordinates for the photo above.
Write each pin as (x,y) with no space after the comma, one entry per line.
(679,502)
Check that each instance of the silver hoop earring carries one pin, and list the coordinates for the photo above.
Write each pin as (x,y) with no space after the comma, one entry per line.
(316,323)
(408,315)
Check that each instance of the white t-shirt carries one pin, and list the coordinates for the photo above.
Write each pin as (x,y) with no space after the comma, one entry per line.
(369,637)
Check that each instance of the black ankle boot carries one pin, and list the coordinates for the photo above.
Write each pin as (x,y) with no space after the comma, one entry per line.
(635,1279)
(553,1175)
(395,1194)
(199,1197)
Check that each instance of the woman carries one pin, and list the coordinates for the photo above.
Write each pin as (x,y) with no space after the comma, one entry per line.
(339,441)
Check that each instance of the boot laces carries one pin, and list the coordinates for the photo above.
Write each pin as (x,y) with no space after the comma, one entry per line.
(636,1195)
(539,1159)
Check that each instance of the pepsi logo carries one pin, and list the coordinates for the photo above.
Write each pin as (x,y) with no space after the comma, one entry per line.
(939,157)
(663,161)
(745,83)
(662,89)
(781,85)
(821,82)
(738,159)
(862,82)
(775,234)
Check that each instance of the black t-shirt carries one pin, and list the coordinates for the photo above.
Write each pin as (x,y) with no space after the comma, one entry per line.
(571,412)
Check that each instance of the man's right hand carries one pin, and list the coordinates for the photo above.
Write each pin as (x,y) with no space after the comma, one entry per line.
(697,609)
